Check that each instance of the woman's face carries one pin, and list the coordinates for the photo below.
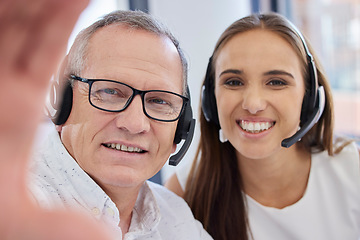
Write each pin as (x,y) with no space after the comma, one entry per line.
(259,91)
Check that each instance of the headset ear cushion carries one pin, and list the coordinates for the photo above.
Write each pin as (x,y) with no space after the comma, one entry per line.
(183,125)
(205,104)
(311,94)
(208,101)
(64,108)
(305,111)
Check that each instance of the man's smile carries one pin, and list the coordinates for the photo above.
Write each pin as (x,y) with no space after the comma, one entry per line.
(124,148)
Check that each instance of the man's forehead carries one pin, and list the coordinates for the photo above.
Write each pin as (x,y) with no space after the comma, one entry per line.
(120,38)
(123,32)
(118,50)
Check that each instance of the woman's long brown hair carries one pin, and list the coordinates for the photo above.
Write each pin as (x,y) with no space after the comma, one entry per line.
(214,186)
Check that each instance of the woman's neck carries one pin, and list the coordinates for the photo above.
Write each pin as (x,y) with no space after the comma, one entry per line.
(279,180)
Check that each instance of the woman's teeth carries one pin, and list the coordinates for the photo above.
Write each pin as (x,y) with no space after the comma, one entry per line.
(255,127)
(124,148)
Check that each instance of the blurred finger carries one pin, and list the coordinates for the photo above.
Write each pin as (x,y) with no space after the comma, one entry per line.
(27,27)
(53,35)
(29,53)
(15,26)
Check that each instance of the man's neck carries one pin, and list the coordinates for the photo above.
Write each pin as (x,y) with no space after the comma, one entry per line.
(124,199)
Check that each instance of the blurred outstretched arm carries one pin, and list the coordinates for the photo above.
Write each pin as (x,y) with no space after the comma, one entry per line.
(33,38)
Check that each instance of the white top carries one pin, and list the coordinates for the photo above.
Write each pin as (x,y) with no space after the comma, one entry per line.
(329,209)
(56,180)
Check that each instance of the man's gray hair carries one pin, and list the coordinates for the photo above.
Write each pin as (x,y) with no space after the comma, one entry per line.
(132,19)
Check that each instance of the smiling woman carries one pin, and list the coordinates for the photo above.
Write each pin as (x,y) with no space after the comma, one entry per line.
(267,87)
(264,85)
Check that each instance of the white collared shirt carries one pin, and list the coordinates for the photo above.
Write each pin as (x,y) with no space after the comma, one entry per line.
(56,180)
(329,209)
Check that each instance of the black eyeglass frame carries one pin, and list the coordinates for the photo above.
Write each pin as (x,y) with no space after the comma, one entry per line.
(135,92)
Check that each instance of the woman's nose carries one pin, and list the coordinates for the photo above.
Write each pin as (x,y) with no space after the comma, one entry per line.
(253,100)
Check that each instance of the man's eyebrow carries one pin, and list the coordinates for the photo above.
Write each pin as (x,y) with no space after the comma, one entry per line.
(278,72)
(234,71)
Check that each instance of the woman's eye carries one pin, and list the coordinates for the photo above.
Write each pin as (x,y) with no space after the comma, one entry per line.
(233,82)
(277,82)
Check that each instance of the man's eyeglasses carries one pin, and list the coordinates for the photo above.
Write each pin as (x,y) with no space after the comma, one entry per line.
(113,96)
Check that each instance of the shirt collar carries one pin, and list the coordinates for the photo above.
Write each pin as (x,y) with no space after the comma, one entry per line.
(146,213)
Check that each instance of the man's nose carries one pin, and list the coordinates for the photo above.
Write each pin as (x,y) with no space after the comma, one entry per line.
(133,118)
(253,100)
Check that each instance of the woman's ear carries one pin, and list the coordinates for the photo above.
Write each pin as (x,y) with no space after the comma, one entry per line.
(58,128)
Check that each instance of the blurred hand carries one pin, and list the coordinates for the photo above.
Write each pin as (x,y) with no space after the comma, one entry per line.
(33,38)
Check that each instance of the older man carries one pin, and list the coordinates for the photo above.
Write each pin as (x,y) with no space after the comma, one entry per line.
(33,37)
(124,108)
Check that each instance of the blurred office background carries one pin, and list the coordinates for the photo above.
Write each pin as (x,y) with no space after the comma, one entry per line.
(333,27)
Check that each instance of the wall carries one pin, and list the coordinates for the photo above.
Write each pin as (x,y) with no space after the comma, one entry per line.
(197,25)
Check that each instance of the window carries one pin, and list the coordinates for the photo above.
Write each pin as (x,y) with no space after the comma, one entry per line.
(333,27)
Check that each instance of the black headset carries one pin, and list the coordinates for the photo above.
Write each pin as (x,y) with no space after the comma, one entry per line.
(62,107)
(312,106)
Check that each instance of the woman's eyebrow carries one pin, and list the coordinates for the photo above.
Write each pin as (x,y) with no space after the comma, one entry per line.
(278,72)
(269,73)
(234,71)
